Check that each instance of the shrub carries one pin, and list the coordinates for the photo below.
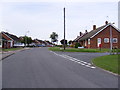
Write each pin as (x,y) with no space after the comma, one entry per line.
(77,45)
(72,45)
(59,46)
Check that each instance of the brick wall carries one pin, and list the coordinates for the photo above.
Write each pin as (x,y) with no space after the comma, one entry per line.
(106,34)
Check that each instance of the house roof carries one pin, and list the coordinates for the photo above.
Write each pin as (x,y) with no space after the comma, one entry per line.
(40,41)
(2,38)
(14,37)
(79,37)
(92,33)
(6,36)
(48,42)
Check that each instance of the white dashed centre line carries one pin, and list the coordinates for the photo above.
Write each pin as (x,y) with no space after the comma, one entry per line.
(89,65)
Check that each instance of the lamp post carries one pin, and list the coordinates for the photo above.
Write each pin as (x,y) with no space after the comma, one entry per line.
(26,38)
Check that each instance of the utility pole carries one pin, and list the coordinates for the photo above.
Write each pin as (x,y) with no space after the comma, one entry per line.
(110,40)
(64,28)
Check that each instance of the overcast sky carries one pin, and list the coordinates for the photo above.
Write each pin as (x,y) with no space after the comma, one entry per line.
(44,17)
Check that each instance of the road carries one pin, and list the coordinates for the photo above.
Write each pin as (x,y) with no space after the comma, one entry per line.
(41,68)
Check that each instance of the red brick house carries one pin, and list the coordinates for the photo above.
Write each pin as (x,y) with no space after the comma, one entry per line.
(77,40)
(100,37)
(39,42)
(7,42)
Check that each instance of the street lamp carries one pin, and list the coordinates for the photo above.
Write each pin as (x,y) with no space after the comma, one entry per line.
(26,38)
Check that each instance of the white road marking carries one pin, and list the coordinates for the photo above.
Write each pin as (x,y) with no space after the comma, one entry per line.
(89,65)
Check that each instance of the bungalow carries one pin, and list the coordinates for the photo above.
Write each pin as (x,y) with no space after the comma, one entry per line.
(10,40)
(48,44)
(77,40)
(100,37)
(7,42)
(39,42)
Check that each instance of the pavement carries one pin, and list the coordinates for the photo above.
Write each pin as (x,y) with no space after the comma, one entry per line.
(4,55)
(41,68)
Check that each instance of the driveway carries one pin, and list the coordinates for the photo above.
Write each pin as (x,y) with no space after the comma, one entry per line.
(87,57)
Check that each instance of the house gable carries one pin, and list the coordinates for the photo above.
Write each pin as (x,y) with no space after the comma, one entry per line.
(6,36)
(104,29)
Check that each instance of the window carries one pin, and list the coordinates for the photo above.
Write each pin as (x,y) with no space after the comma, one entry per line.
(115,40)
(106,40)
(88,41)
(98,41)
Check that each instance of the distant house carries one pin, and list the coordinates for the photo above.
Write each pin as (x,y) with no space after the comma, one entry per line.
(7,42)
(10,40)
(77,40)
(100,37)
(48,44)
(39,42)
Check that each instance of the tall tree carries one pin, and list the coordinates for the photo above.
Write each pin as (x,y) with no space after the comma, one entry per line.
(26,40)
(62,42)
(70,42)
(54,37)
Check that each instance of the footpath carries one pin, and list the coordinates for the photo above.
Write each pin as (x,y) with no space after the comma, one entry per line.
(4,55)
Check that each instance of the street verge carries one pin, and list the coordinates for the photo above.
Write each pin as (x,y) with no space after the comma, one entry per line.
(79,50)
(109,63)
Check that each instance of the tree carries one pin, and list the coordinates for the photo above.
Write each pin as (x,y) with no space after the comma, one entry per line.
(26,40)
(62,42)
(54,37)
(70,42)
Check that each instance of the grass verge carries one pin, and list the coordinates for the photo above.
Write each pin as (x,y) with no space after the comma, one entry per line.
(11,49)
(78,50)
(109,62)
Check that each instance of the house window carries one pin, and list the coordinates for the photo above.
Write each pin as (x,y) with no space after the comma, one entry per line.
(98,41)
(88,41)
(106,40)
(115,40)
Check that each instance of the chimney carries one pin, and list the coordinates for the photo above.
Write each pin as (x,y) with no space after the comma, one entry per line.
(94,27)
(106,22)
(80,33)
(86,31)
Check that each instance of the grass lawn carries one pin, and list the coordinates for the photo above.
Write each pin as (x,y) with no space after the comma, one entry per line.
(11,49)
(78,50)
(109,62)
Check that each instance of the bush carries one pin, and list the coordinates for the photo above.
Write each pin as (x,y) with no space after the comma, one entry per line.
(72,45)
(59,46)
(77,45)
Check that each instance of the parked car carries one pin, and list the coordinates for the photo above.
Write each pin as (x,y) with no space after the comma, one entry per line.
(39,45)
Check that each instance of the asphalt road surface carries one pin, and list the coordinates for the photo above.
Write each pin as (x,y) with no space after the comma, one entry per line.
(41,68)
